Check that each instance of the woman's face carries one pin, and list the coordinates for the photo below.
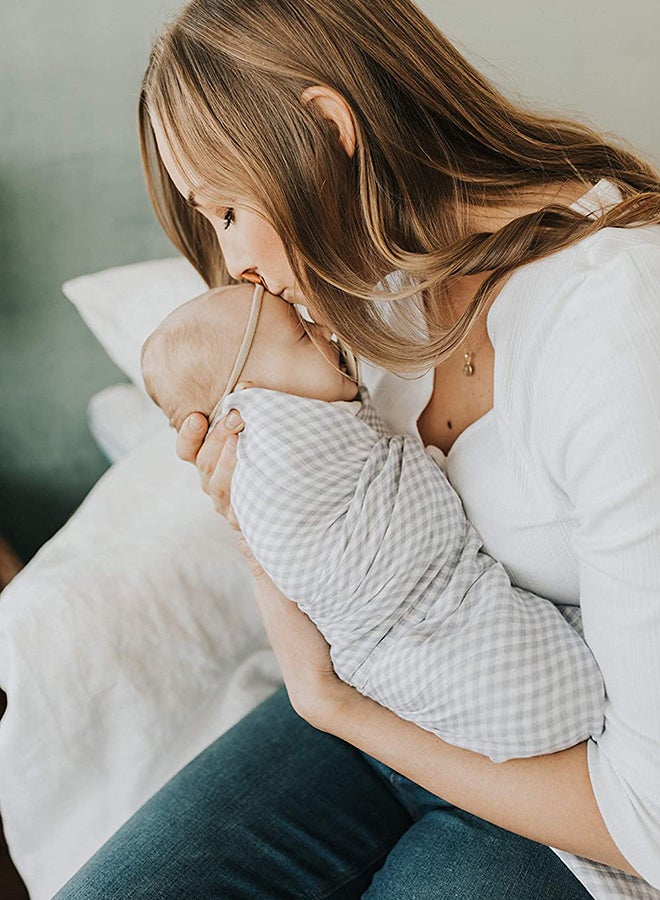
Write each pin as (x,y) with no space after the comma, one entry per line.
(248,242)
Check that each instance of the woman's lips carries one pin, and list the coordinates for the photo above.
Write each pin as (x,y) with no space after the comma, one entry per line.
(254,278)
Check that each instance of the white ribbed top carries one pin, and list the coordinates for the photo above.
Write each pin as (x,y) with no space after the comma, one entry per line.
(562,481)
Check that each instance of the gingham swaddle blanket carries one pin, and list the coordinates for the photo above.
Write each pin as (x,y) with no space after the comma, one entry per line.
(363,531)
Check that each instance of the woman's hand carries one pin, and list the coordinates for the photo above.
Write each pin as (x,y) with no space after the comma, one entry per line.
(214,454)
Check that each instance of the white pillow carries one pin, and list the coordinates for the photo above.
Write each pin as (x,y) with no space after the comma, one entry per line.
(122,306)
(121,417)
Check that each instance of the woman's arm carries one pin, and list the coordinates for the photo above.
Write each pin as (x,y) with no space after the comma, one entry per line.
(546,798)
(600,394)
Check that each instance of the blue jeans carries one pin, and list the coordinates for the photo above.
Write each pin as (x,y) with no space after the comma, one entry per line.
(276,809)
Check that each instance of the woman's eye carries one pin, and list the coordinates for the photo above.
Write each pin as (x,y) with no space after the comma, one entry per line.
(228,217)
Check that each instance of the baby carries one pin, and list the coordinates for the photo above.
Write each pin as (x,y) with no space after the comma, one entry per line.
(362,530)
(188,360)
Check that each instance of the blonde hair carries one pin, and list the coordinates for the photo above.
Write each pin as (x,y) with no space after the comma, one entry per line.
(434,141)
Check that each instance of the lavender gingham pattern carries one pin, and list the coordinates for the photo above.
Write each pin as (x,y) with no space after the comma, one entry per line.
(362,529)
(605,883)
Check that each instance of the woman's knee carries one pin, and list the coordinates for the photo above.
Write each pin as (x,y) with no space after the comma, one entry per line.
(449,853)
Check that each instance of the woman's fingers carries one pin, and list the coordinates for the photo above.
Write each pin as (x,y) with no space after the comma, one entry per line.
(218,483)
(214,454)
(191,437)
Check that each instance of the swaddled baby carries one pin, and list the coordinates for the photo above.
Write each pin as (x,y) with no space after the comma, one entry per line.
(362,529)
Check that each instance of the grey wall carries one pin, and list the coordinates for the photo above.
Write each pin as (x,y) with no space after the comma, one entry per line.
(72,199)
(595,60)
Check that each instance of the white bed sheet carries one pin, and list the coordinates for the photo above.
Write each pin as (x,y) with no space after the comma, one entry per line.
(126,646)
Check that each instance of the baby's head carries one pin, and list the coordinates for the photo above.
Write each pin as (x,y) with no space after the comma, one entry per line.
(187,361)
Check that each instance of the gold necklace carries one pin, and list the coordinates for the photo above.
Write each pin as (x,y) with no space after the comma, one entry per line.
(468,355)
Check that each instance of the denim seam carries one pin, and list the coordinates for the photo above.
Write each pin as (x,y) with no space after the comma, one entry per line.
(352,876)
(397,791)
(409,805)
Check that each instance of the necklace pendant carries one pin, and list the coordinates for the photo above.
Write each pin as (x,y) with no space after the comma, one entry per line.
(468,368)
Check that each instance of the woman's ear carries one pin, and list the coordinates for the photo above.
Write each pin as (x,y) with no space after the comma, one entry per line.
(333,107)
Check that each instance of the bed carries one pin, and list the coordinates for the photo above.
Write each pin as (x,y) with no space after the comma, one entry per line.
(131,639)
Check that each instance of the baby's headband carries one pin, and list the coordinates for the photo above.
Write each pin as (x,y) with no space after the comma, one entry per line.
(350,359)
(243,351)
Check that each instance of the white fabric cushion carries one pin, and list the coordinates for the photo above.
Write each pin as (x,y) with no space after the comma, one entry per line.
(126,646)
(121,417)
(123,305)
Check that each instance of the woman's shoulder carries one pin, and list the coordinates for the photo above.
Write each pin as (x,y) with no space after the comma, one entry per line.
(569,322)
(631,253)
(615,278)
(589,294)
(574,282)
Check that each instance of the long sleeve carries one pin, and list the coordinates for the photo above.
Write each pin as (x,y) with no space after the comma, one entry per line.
(602,445)
(363,531)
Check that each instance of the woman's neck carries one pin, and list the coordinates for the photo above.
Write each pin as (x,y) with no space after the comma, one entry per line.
(493,218)
(462,291)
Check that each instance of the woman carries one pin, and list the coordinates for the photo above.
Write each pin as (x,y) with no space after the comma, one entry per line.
(318,146)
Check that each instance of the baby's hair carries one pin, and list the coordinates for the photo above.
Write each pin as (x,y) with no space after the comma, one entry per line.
(169,348)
